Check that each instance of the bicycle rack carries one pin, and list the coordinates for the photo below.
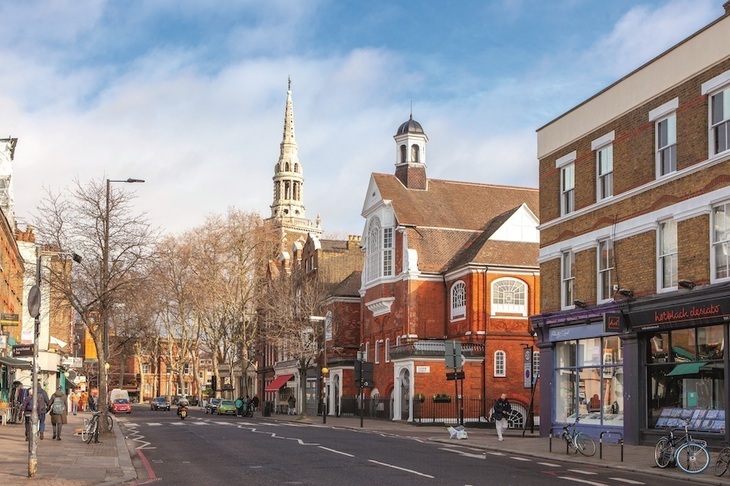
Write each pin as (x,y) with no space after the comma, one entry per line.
(550,439)
(620,441)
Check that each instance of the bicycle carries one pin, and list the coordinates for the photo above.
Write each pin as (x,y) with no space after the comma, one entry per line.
(689,454)
(90,431)
(723,460)
(578,441)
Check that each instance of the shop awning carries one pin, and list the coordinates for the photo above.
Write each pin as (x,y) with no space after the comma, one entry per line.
(16,363)
(278,382)
(687,369)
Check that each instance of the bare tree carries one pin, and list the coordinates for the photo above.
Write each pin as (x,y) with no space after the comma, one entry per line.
(75,220)
(293,299)
(231,251)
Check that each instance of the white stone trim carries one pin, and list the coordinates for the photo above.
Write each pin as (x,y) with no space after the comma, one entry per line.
(603,140)
(380,306)
(665,109)
(566,159)
(716,82)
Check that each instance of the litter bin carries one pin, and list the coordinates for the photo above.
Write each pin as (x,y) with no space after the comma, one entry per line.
(267,409)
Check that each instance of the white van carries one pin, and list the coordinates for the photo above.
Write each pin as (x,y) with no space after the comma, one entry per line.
(118,393)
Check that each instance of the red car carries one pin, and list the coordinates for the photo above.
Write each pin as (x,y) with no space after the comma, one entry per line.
(120,405)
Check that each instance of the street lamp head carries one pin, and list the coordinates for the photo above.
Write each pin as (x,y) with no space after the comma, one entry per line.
(132,181)
(325,371)
(76,257)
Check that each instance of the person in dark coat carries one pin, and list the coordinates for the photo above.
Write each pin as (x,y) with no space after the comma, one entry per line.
(502,409)
(59,402)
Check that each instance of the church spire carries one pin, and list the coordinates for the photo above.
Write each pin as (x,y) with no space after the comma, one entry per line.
(288,177)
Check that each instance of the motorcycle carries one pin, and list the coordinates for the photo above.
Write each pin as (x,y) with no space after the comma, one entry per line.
(182,412)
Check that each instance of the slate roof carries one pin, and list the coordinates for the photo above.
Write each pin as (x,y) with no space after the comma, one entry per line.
(450,223)
(350,287)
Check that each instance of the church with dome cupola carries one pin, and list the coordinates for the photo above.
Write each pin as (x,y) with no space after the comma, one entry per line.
(447,262)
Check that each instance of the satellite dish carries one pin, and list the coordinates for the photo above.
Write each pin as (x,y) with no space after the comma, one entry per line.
(34,302)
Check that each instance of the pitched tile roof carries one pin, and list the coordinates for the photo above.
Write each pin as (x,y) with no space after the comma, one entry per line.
(450,224)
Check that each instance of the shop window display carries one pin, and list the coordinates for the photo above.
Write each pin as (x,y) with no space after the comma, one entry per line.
(589,381)
(685,375)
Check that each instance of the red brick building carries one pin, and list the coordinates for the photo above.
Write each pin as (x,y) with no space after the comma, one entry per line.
(446,261)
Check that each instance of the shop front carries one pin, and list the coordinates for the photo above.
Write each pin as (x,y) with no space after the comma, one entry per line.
(682,341)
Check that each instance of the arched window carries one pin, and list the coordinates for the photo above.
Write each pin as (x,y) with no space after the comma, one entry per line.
(500,363)
(458,300)
(387,350)
(415,153)
(402,154)
(379,254)
(509,296)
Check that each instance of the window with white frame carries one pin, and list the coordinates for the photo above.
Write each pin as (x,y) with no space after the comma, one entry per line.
(535,364)
(604,166)
(500,363)
(605,269)
(367,351)
(387,350)
(667,254)
(721,240)
(458,300)
(186,369)
(720,121)
(666,145)
(603,146)
(145,368)
(509,296)
(567,189)
(567,276)
(379,252)
(377,352)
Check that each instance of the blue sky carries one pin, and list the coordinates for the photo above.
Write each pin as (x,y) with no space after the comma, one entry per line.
(189,94)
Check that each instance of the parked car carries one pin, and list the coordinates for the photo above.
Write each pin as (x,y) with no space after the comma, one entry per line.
(159,403)
(120,405)
(212,405)
(226,407)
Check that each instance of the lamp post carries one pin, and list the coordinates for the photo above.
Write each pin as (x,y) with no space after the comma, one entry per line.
(105,282)
(324,368)
(34,309)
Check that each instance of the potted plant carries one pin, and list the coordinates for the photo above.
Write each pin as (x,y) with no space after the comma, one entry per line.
(442,398)
(419,397)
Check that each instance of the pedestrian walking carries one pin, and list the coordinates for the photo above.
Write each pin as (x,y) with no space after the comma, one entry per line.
(42,402)
(255,402)
(239,406)
(292,405)
(58,412)
(75,400)
(502,408)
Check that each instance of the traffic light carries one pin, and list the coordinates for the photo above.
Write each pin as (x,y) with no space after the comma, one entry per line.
(214,383)
(364,374)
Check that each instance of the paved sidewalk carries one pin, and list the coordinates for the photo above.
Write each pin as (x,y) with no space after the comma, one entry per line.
(67,461)
(70,462)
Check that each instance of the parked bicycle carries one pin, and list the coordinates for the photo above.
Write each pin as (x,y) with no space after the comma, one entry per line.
(90,431)
(723,460)
(691,455)
(578,441)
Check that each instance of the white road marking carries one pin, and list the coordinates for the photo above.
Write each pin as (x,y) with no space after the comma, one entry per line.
(578,480)
(580,471)
(336,452)
(624,480)
(549,464)
(401,469)
(520,459)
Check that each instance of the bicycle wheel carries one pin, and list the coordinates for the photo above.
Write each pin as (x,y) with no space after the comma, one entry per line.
(109,422)
(663,452)
(93,424)
(85,430)
(585,444)
(722,462)
(692,458)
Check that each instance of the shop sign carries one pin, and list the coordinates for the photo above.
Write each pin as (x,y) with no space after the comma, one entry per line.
(423,369)
(20,350)
(713,310)
(613,322)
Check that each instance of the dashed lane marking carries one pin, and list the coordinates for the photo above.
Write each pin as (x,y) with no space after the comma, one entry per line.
(336,452)
(516,458)
(581,471)
(401,469)
(583,481)
(549,464)
(627,481)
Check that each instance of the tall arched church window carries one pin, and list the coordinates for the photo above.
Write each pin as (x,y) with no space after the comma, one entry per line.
(509,296)
(458,300)
(403,154)
(415,153)
(379,251)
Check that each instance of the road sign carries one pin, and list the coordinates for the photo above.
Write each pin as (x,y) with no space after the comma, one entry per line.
(9,319)
(22,350)
(452,354)
(455,375)
(34,301)
(527,362)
